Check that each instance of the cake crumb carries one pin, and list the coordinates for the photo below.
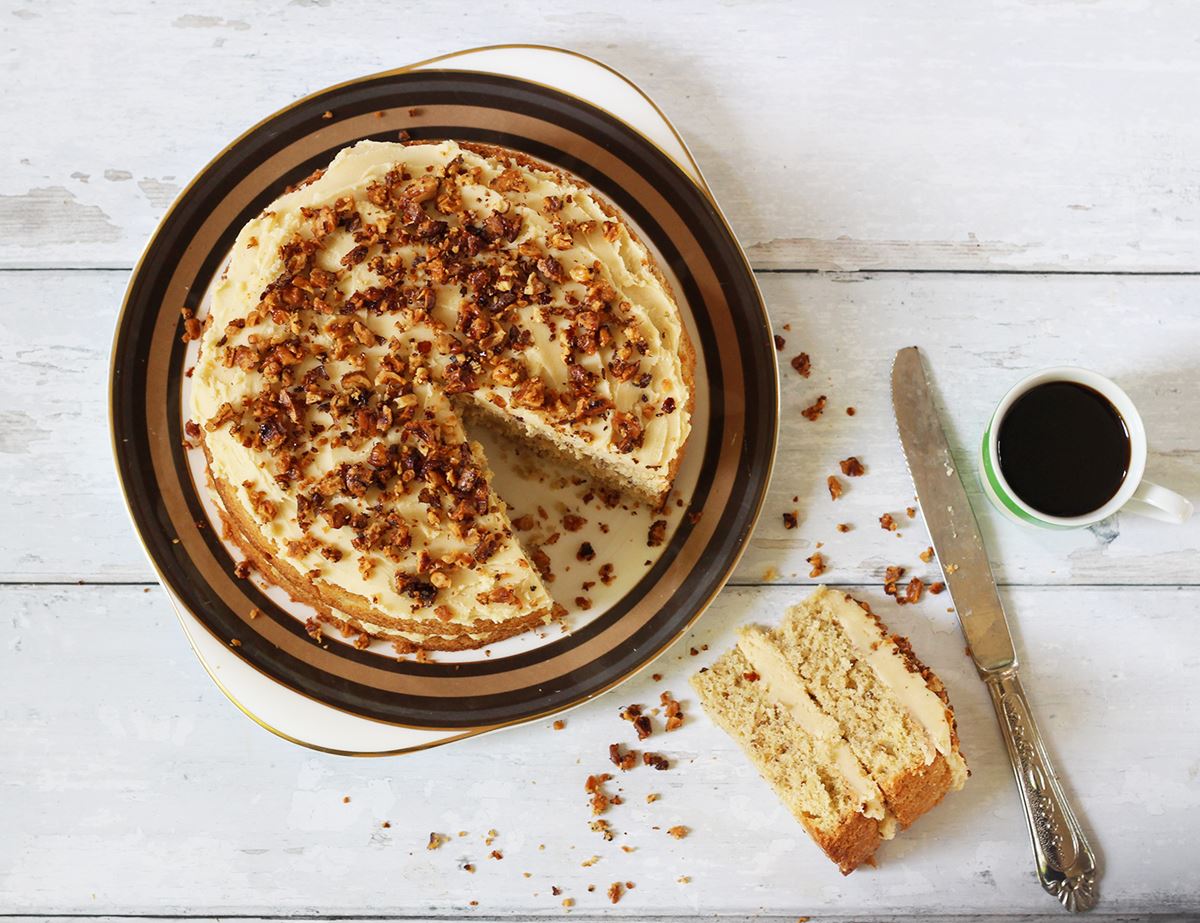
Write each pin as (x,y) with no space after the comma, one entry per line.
(559,724)
(887,523)
(936,589)
(345,799)
(614,892)
(495,854)
(386,824)
(657,677)
(468,867)
(679,831)
(910,512)
(436,840)
(844,527)
(770,575)
(850,411)
(602,827)
(657,760)
(658,531)
(817,560)
(588,863)
(684,879)
(568,902)
(652,797)
(926,555)
(802,364)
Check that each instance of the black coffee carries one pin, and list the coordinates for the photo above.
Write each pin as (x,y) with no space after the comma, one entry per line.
(1064,448)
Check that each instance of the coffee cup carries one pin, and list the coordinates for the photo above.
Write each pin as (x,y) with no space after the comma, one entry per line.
(1066,448)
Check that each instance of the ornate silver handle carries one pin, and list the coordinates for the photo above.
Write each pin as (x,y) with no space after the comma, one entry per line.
(1066,865)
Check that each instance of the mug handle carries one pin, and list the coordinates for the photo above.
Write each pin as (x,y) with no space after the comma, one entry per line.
(1159,503)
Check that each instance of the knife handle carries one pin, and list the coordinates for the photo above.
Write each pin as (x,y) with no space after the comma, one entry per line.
(1066,865)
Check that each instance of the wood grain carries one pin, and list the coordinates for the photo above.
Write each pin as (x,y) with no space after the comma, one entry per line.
(837,136)
(980,339)
(130,784)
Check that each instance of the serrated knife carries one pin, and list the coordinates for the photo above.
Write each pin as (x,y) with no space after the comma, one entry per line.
(1066,865)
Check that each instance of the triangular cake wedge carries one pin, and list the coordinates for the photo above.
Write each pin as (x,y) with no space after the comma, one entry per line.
(856,735)
(395,531)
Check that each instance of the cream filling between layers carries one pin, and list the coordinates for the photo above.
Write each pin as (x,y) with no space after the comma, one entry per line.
(783,687)
(879,652)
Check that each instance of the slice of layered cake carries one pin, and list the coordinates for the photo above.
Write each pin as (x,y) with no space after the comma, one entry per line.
(854,733)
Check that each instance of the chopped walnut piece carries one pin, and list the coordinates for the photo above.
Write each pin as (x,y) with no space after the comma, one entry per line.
(926,555)
(844,527)
(835,486)
(573,523)
(559,724)
(679,831)
(936,589)
(595,787)
(790,520)
(658,532)
(673,710)
(607,575)
(586,552)
(623,761)
(913,594)
(780,342)
(523,523)
(615,891)
(814,410)
(910,512)
(852,467)
(802,364)
(436,840)
(656,760)
(850,411)
(887,523)
(817,560)
(652,797)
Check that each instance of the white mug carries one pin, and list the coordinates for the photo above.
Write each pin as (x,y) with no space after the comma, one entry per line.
(1135,495)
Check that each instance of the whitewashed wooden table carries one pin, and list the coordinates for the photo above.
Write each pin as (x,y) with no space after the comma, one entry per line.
(1009,185)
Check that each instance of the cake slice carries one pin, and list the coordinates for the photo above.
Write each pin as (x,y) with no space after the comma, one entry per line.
(391,530)
(854,733)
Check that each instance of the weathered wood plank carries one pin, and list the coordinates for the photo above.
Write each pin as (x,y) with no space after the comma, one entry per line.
(845,136)
(980,337)
(128,785)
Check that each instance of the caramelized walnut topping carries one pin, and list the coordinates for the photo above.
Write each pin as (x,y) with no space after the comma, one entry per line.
(835,487)
(801,364)
(656,761)
(937,588)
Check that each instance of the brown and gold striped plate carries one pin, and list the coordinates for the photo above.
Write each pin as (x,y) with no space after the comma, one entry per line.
(720,489)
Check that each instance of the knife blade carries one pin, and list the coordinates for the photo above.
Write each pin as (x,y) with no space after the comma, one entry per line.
(1066,865)
(948,514)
